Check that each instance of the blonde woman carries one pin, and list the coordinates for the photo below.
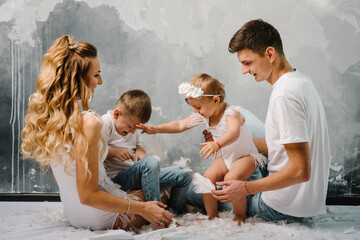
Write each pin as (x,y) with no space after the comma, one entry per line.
(62,133)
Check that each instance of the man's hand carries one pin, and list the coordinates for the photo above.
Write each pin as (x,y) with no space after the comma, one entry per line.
(233,191)
(121,153)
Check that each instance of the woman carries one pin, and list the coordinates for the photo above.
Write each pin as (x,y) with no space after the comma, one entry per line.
(61,132)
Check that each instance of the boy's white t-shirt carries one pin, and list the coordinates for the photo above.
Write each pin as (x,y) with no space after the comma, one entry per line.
(296,114)
(115,140)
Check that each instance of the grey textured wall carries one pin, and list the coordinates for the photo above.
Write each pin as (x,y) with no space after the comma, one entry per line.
(156,45)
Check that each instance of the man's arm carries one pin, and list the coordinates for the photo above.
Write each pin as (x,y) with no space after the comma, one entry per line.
(297,171)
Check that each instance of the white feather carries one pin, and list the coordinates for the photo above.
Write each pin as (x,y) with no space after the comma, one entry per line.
(183,163)
(202,184)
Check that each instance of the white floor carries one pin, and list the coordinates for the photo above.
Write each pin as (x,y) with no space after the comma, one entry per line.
(46,220)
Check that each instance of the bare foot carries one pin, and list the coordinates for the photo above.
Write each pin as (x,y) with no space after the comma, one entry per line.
(203,218)
(239,220)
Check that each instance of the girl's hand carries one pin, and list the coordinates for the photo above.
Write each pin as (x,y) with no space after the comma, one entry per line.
(147,129)
(155,213)
(209,148)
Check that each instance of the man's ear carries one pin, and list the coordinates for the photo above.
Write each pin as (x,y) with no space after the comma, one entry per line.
(216,99)
(270,52)
(116,113)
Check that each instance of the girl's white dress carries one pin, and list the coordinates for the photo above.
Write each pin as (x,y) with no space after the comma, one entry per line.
(243,146)
(78,215)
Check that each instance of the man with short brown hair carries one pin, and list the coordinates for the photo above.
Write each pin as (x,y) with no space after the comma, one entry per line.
(296,133)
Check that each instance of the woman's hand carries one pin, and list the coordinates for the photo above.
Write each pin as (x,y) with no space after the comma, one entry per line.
(147,129)
(209,148)
(155,213)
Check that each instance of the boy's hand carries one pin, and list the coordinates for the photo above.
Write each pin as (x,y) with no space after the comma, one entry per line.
(122,153)
(147,129)
(209,148)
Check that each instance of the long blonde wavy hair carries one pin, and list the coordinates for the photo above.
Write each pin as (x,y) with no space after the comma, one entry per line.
(53,119)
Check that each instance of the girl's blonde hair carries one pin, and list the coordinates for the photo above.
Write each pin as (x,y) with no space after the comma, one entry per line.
(209,85)
(53,120)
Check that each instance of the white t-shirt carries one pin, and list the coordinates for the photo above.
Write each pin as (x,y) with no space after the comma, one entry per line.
(115,140)
(296,114)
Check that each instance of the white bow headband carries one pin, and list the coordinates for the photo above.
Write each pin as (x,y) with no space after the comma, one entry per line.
(190,91)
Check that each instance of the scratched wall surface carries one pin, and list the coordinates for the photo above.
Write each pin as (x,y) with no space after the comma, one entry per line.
(156,45)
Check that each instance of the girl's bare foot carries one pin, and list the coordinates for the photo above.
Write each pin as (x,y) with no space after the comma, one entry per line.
(204,218)
(239,220)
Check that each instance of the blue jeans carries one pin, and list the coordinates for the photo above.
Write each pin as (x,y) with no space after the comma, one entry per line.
(255,206)
(147,175)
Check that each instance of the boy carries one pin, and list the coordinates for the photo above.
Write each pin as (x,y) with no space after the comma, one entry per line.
(127,163)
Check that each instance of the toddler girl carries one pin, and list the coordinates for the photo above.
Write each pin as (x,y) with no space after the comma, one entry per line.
(235,155)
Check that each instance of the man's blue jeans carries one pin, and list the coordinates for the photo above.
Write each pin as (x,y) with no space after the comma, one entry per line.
(255,206)
(147,175)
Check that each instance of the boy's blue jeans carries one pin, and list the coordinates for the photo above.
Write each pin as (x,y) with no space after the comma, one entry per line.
(255,206)
(147,175)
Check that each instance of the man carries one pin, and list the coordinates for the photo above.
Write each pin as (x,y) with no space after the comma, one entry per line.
(296,133)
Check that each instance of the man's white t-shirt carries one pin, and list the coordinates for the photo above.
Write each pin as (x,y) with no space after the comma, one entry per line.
(296,114)
(115,140)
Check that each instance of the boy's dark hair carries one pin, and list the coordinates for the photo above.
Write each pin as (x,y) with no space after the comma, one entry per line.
(256,35)
(135,103)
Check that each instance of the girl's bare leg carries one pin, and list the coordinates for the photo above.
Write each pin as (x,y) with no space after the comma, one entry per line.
(239,211)
(242,169)
(215,173)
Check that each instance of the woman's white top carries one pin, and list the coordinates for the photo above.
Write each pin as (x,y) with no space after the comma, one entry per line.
(243,146)
(79,215)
